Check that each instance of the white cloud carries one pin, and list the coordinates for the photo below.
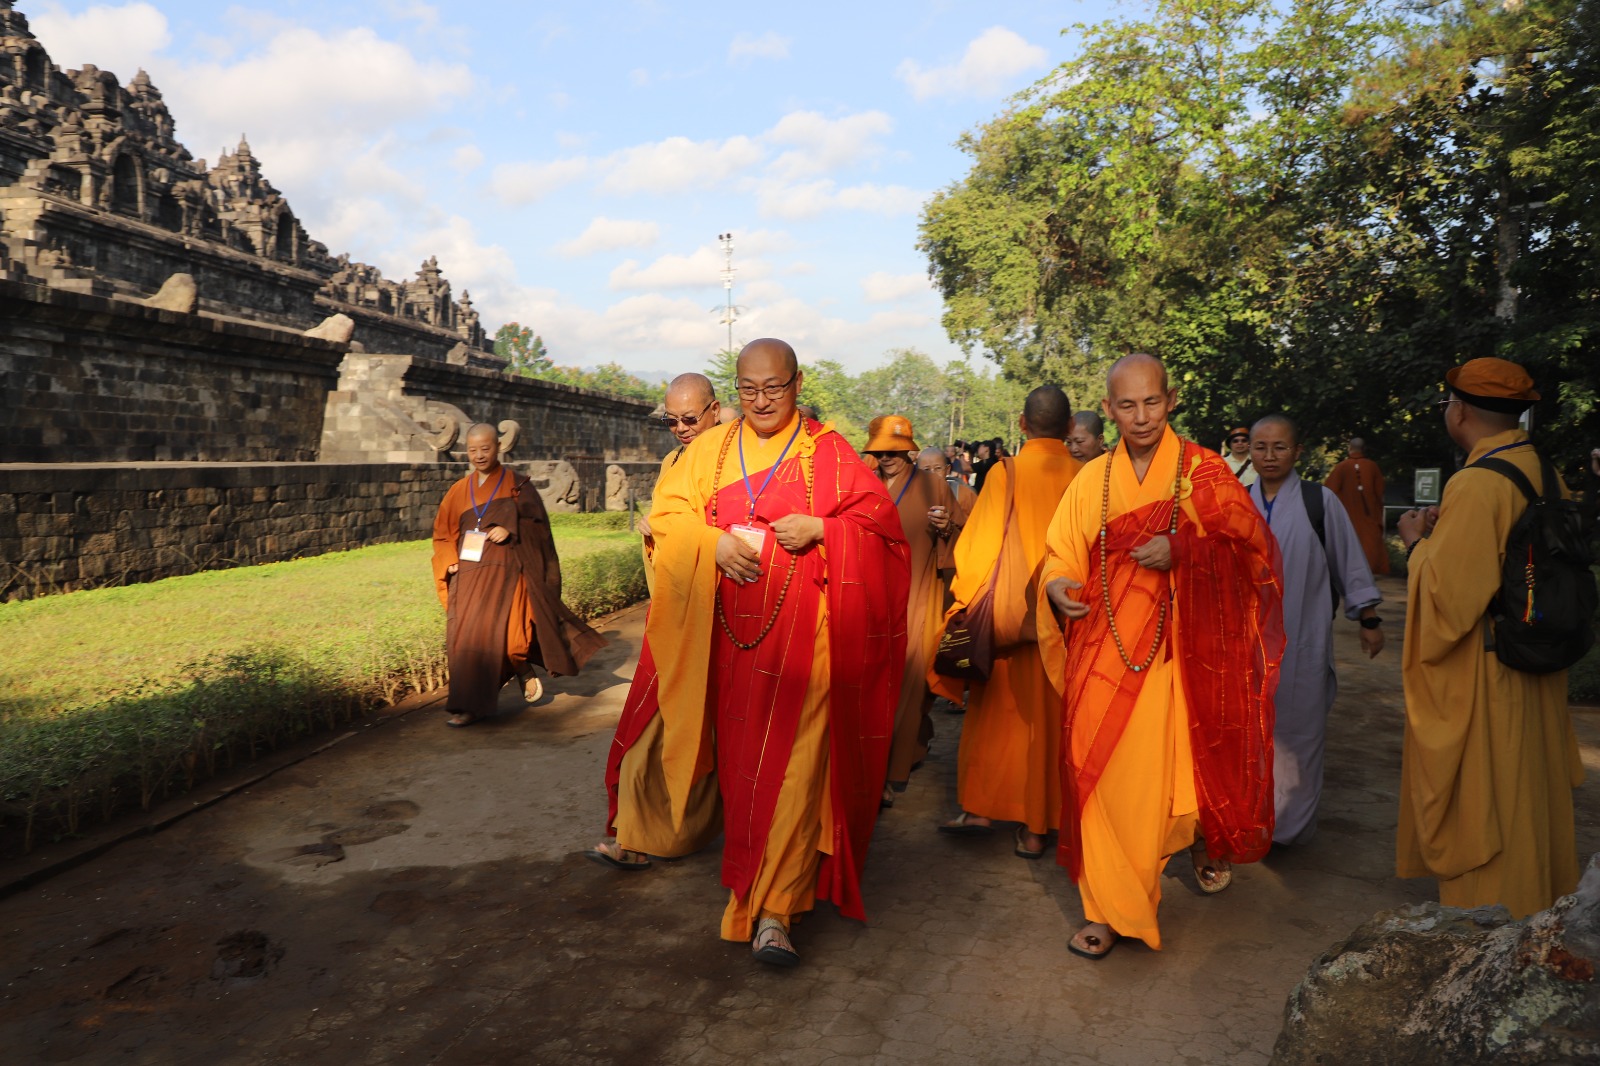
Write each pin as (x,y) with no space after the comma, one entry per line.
(119,38)
(639,76)
(882,288)
(992,61)
(779,199)
(822,145)
(701,269)
(609,234)
(426,16)
(769,45)
(515,184)
(466,159)
(678,164)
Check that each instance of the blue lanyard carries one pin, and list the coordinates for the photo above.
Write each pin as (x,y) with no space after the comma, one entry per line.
(1503,447)
(756,495)
(479,512)
(909,479)
(1269,504)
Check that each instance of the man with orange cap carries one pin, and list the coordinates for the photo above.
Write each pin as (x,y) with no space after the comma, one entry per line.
(1008,766)
(926,508)
(1490,758)
(1236,453)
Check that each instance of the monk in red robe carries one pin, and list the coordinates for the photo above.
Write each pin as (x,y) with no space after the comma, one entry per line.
(497,574)
(774,651)
(1171,582)
(1358,482)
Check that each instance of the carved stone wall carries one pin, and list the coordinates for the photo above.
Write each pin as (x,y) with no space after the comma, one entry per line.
(98,196)
(96,380)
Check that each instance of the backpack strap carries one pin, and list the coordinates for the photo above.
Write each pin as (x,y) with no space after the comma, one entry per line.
(1317,514)
(1515,475)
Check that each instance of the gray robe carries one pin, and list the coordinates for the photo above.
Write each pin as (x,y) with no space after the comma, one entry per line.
(1306,682)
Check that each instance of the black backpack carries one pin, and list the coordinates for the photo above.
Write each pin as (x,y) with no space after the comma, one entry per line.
(1542,619)
(1311,494)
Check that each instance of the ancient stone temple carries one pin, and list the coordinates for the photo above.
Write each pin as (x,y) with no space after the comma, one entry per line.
(190,379)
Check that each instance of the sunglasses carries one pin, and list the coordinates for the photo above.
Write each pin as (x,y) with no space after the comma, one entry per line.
(670,421)
(1239,437)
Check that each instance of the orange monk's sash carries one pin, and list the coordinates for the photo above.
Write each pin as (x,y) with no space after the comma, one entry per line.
(1227,588)
(863,567)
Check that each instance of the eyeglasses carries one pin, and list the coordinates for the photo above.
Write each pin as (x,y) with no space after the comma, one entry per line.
(771,392)
(1439,405)
(1235,440)
(669,421)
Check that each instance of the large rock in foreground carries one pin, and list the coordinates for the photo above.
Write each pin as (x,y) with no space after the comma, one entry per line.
(1433,984)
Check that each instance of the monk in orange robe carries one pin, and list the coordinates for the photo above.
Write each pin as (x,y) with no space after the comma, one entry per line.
(1358,482)
(925,504)
(498,577)
(773,652)
(688,410)
(1008,766)
(1170,580)
(936,463)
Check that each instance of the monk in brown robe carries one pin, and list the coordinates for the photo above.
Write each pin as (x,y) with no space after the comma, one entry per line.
(690,408)
(936,463)
(1358,482)
(495,566)
(925,505)
(1008,766)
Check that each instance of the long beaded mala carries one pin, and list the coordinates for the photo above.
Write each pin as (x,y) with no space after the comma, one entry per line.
(1105,580)
(738,427)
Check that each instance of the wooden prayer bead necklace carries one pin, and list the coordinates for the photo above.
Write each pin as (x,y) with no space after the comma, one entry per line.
(1105,579)
(722,618)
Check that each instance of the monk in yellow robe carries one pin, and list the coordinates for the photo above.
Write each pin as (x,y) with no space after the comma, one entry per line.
(773,652)
(498,577)
(1358,482)
(1170,580)
(924,503)
(1490,758)
(1008,766)
(689,409)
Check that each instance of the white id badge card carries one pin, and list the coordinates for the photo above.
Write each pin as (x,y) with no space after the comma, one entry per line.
(754,537)
(472,542)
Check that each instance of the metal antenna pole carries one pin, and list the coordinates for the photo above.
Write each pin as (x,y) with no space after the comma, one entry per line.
(730,315)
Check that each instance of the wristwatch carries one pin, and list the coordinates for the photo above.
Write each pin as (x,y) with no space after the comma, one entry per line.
(1370,623)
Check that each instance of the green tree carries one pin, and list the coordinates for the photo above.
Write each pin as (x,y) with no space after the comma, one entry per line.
(524,348)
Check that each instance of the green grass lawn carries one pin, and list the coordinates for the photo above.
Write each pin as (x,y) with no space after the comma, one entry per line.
(121,695)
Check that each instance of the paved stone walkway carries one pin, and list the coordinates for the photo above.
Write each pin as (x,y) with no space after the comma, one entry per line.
(417,895)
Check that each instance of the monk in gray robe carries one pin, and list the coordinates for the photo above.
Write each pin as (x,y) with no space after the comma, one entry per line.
(1314,570)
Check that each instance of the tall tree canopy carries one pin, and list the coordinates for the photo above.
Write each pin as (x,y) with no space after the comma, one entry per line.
(1315,206)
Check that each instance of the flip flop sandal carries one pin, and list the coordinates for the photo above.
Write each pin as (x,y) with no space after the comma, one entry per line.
(771,944)
(961,827)
(1093,942)
(887,799)
(601,853)
(460,721)
(532,690)
(1021,852)
(1211,877)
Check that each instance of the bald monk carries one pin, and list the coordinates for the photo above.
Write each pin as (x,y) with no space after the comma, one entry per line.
(1358,482)
(936,463)
(773,652)
(1007,766)
(1174,638)
(495,567)
(925,506)
(1490,757)
(1087,437)
(690,408)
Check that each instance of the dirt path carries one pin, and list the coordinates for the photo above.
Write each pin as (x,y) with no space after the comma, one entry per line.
(416,895)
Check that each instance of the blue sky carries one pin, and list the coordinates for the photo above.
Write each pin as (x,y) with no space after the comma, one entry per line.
(573,163)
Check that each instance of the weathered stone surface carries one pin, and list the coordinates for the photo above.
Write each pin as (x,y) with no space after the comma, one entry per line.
(179,293)
(1433,984)
(336,328)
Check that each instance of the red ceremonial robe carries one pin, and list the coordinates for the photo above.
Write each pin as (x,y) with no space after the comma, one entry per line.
(755,696)
(1226,584)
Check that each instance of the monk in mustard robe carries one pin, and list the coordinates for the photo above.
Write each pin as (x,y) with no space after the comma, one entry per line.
(1170,581)
(688,410)
(1490,757)
(773,652)
(924,503)
(498,577)
(1008,767)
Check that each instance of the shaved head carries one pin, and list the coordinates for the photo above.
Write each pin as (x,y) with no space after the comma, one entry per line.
(692,389)
(1084,438)
(1047,413)
(768,364)
(1284,422)
(769,347)
(1357,446)
(483,429)
(1091,421)
(483,448)
(1139,399)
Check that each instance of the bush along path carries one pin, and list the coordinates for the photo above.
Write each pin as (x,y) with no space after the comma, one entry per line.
(118,698)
